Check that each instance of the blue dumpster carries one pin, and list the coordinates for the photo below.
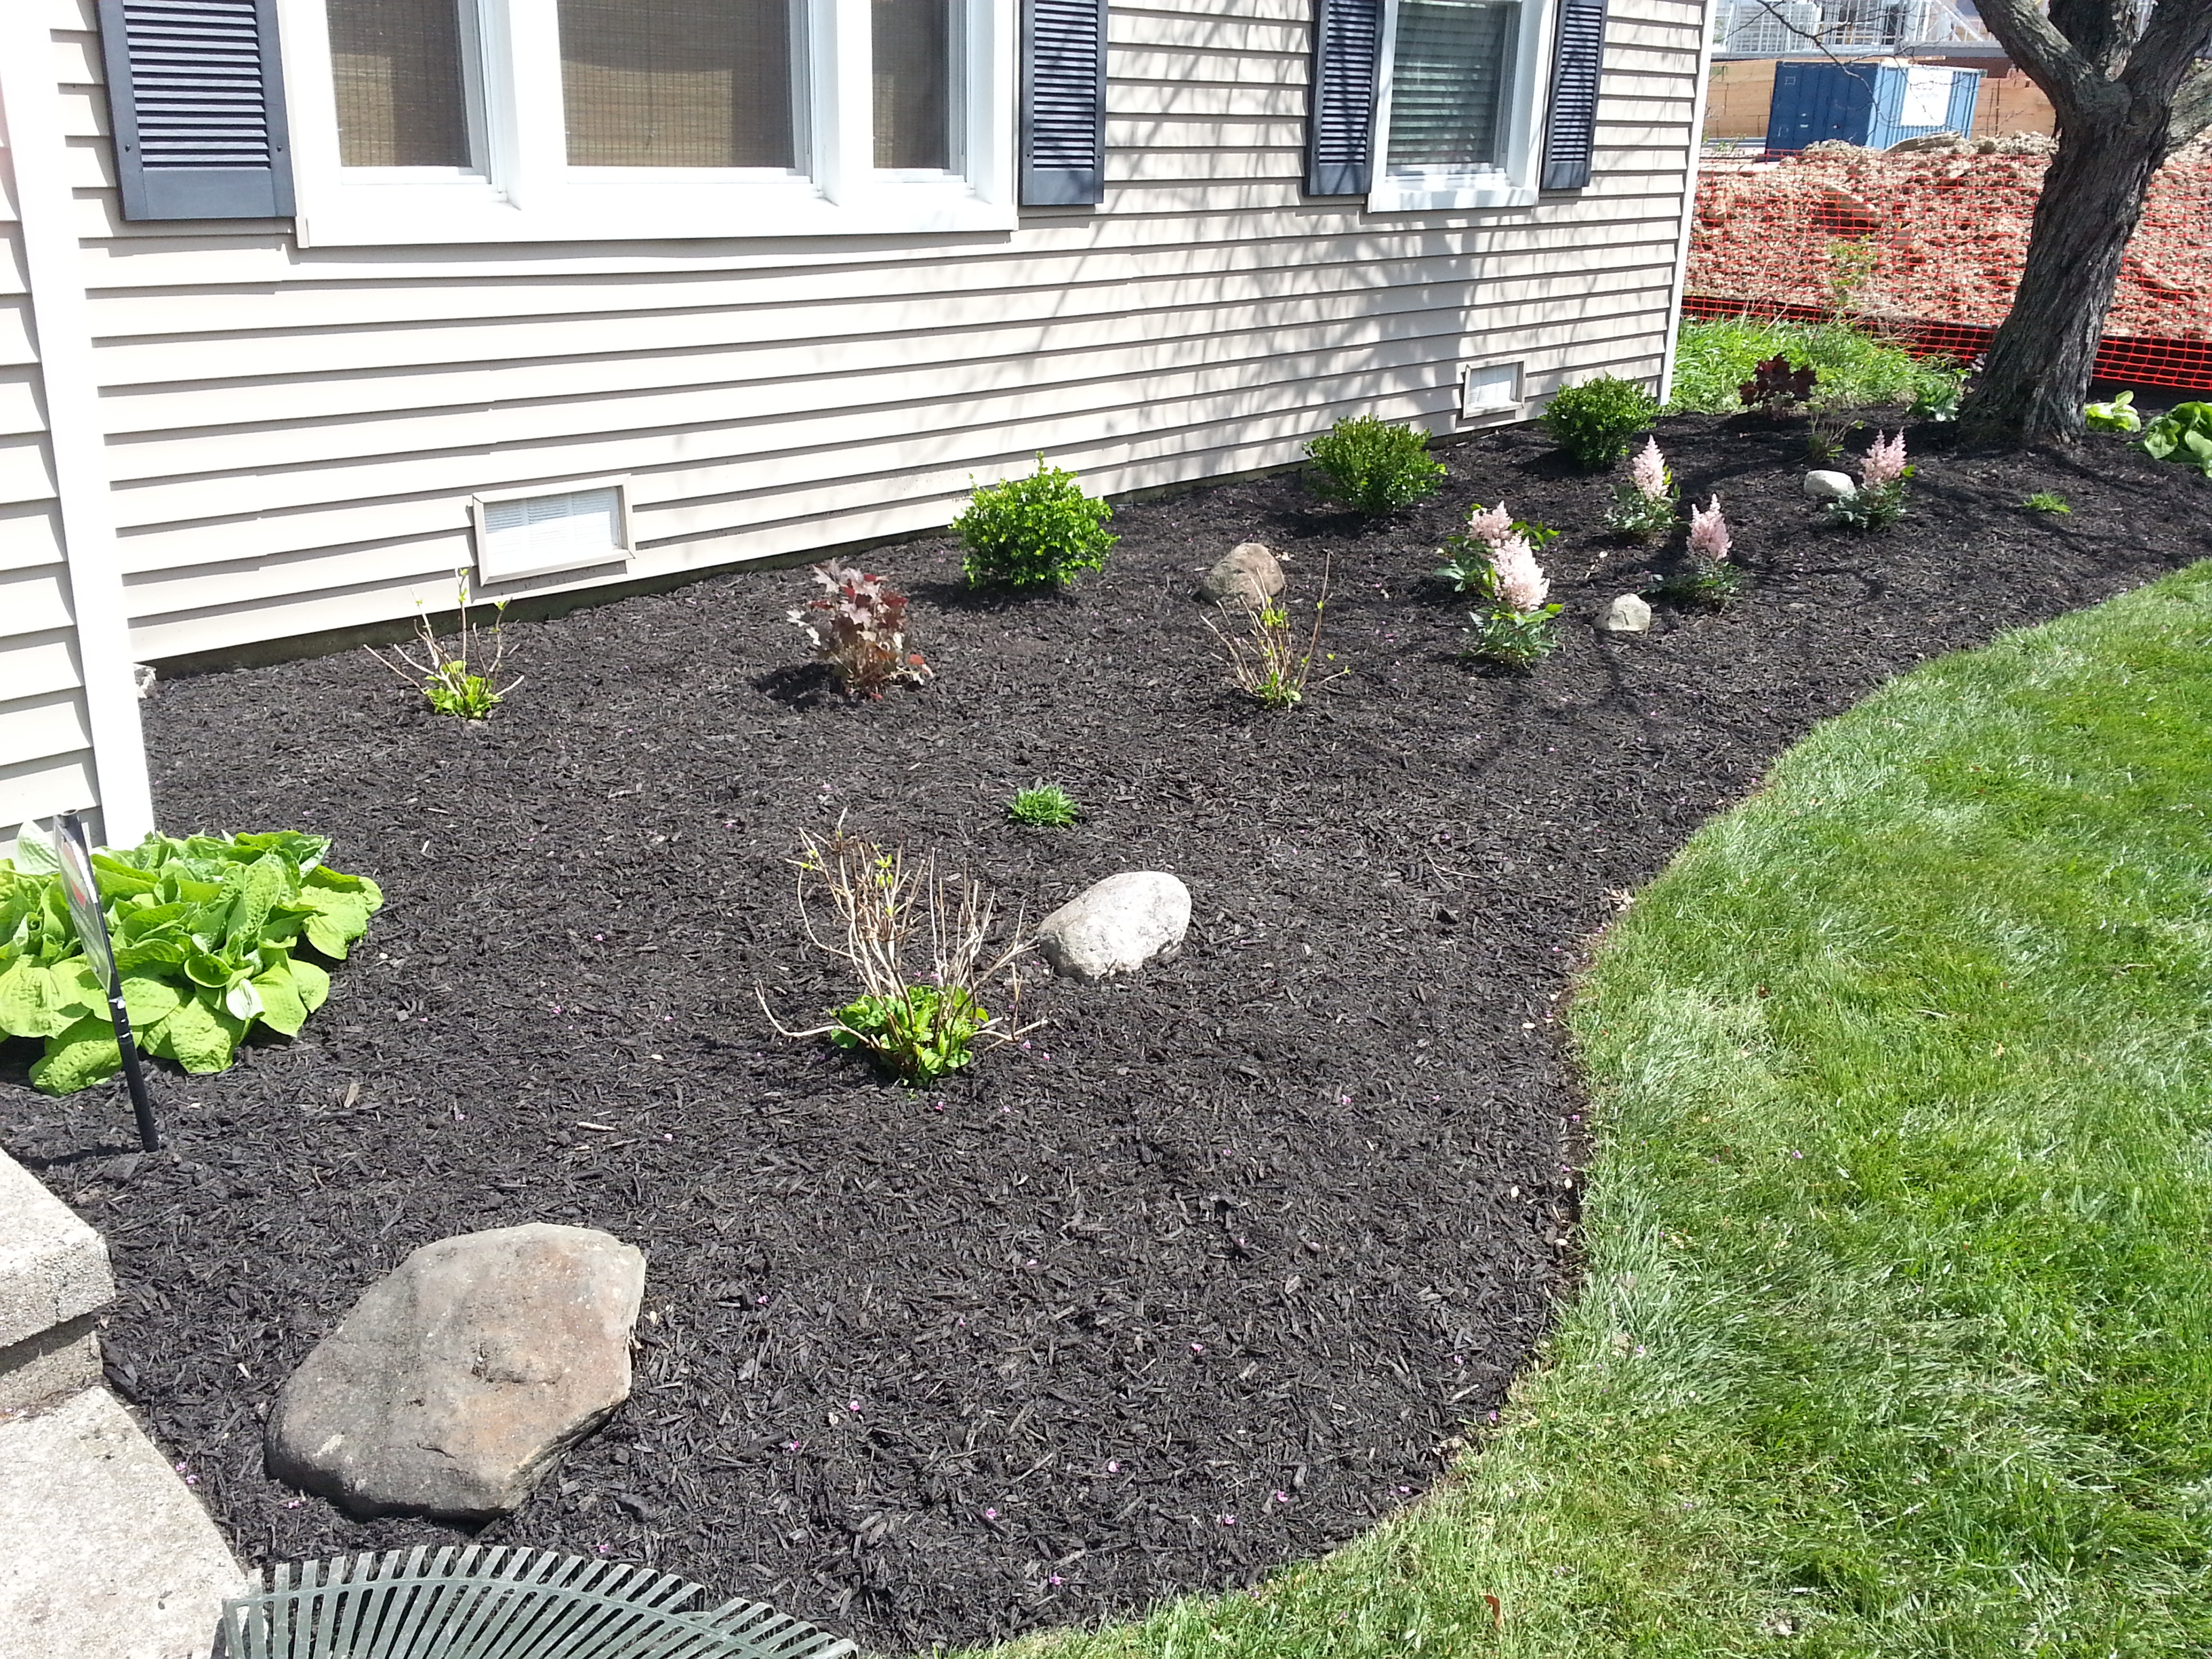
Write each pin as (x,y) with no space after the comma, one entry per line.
(1871,104)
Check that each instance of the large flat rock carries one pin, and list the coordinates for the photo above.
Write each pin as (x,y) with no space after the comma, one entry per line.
(105,1552)
(460,1377)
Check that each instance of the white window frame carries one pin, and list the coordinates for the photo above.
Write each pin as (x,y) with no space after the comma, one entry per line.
(1514,184)
(526,192)
(622,553)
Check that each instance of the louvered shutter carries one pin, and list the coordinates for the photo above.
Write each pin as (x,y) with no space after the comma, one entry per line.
(1571,127)
(199,108)
(1340,118)
(1063,102)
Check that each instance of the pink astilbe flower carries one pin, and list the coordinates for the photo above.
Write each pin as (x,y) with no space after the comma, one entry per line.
(1522,585)
(1648,471)
(1884,462)
(1490,527)
(1709,532)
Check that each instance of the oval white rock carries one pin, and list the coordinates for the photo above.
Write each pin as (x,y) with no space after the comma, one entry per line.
(1829,486)
(1116,925)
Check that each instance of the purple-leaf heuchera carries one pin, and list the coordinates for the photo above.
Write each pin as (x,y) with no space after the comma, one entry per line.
(859,629)
(1777,388)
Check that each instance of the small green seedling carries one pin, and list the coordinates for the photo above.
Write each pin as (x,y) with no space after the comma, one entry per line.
(2046,501)
(1044,806)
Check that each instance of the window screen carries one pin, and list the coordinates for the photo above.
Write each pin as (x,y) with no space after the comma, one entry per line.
(397,66)
(914,84)
(677,83)
(1449,77)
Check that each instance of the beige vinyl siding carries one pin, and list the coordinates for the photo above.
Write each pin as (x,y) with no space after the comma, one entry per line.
(46,744)
(295,435)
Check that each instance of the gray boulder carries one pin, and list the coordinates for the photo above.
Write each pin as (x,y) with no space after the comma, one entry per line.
(1247,574)
(1116,925)
(1830,486)
(1625,614)
(460,1378)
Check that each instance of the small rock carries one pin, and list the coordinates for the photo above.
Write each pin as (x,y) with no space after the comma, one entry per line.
(460,1377)
(142,676)
(1116,925)
(1247,574)
(1829,486)
(1625,614)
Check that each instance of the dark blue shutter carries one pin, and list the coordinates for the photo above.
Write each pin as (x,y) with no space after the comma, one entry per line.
(1063,102)
(1570,126)
(197,105)
(1340,117)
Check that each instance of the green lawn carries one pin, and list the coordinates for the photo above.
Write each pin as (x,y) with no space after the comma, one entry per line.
(1897,1337)
(1855,369)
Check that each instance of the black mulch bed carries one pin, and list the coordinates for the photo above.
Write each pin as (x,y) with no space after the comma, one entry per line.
(1213,1274)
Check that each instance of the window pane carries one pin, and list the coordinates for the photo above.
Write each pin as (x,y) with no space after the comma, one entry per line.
(1447,83)
(677,83)
(398,67)
(914,84)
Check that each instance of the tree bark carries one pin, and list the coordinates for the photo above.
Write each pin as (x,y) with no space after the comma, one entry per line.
(2040,364)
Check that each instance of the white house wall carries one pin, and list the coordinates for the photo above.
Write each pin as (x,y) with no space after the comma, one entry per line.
(46,739)
(294,436)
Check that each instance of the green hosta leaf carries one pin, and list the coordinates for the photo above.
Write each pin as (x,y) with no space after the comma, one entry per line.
(342,907)
(78,1057)
(199,1034)
(245,1003)
(282,1007)
(310,984)
(211,971)
(34,855)
(299,850)
(31,1003)
(149,1001)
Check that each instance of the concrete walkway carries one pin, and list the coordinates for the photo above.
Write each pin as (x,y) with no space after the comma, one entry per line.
(105,1553)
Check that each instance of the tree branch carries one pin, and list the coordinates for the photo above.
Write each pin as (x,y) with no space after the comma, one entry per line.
(2033,42)
(2192,108)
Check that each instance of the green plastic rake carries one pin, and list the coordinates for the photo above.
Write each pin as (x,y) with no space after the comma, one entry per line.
(479,1604)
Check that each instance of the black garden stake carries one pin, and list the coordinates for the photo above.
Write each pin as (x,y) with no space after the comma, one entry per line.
(82,892)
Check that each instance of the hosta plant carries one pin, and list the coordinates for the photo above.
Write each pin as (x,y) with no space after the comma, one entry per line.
(207,933)
(858,629)
(1373,467)
(1037,531)
(1644,506)
(2182,434)
(916,1022)
(2116,416)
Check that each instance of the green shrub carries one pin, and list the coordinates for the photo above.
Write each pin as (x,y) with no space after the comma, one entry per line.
(1518,640)
(204,932)
(2117,416)
(1855,370)
(1372,467)
(1597,420)
(1037,531)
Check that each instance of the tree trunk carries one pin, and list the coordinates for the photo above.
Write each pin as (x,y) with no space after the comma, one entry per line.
(2041,362)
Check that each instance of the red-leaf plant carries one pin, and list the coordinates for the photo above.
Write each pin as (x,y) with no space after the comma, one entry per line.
(859,630)
(1776,387)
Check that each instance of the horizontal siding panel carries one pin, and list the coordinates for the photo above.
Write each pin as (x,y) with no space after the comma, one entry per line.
(43,728)
(800,391)
(30,535)
(39,787)
(204,381)
(19,408)
(33,601)
(26,474)
(40,665)
(17,345)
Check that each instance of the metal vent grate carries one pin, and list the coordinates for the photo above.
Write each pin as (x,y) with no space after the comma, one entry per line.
(478,1603)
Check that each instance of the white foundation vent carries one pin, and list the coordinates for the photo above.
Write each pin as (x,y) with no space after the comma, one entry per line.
(536,535)
(1489,388)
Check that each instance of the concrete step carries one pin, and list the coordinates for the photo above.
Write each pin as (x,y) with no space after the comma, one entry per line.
(105,1553)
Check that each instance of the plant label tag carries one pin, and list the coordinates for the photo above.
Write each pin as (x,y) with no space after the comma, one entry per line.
(81,889)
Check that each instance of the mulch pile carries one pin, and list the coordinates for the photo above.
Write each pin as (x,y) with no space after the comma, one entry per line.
(1217,1269)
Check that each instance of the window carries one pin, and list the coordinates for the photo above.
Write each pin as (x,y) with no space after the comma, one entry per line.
(1457,104)
(431,121)
(579,528)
